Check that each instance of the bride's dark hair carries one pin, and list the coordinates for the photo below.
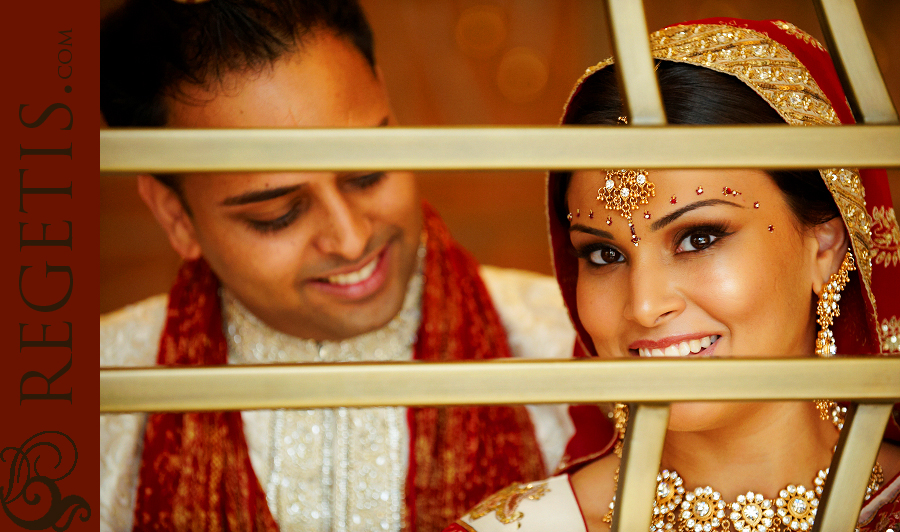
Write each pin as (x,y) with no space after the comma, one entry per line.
(697,95)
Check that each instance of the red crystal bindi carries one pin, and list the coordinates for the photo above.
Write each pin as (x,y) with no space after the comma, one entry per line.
(771,229)
(673,201)
(608,220)
(755,204)
(647,215)
(699,190)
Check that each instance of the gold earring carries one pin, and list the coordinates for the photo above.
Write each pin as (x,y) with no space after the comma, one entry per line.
(620,417)
(831,411)
(828,308)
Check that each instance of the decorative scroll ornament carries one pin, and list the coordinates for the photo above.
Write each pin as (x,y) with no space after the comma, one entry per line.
(625,191)
(33,499)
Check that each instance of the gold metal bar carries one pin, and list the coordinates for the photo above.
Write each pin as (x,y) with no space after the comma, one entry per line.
(851,466)
(539,148)
(854,61)
(242,387)
(640,463)
(634,63)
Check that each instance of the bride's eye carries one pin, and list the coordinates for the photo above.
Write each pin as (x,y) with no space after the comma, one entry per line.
(605,255)
(697,242)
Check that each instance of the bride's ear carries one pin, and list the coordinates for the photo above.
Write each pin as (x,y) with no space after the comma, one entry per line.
(833,244)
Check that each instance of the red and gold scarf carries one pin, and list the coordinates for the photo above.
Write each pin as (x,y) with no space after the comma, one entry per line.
(195,471)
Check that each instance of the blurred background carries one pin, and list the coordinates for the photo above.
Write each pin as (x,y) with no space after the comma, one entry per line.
(473,62)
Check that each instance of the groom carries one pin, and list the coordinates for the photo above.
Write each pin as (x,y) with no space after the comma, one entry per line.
(293,267)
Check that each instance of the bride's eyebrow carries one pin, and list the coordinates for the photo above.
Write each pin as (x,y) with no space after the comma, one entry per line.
(672,216)
(591,231)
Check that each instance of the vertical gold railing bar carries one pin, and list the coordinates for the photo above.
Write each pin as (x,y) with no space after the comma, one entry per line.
(640,463)
(641,96)
(851,466)
(634,64)
(863,83)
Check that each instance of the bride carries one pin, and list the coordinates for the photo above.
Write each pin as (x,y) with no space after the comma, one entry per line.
(724,263)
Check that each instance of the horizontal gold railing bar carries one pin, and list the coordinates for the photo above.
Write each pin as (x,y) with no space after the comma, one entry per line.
(641,454)
(855,62)
(851,466)
(497,148)
(240,387)
(637,78)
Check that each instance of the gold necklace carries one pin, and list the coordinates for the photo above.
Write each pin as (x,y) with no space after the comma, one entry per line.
(704,510)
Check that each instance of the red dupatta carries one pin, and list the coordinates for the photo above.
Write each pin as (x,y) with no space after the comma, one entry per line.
(196,474)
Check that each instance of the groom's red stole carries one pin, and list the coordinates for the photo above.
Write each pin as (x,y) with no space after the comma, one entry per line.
(195,472)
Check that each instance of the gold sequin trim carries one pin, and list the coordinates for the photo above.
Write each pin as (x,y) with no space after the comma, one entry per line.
(885,237)
(890,335)
(506,502)
(800,34)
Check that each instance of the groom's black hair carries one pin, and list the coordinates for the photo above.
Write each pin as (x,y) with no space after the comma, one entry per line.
(151,49)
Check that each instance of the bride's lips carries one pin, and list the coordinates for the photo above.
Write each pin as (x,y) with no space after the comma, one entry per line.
(676,346)
(358,282)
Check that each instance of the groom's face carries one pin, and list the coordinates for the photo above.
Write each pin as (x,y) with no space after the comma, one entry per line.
(320,255)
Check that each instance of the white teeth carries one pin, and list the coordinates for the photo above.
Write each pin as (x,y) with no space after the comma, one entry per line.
(355,277)
(680,349)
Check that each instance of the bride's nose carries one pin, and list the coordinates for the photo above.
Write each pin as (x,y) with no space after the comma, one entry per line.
(653,295)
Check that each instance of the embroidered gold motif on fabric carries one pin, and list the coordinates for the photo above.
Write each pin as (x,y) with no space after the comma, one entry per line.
(890,335)
(800,34)
(885,237)
(505,503)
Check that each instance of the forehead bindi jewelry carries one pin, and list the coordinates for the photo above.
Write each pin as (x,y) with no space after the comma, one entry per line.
(771,229)
(699,190)
(591,214)
(755,204)
(608,220)
(569,216)
(578,213)
(673,200)
(623,191)
(646,215)
(729,191)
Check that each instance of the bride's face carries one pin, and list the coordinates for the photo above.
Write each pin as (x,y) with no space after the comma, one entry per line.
(722,268)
